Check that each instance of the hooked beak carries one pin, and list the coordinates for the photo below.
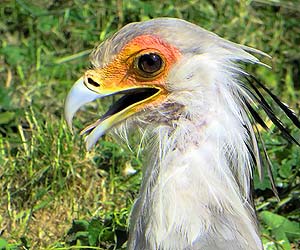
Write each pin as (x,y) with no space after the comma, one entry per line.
(78,96)
(86,90)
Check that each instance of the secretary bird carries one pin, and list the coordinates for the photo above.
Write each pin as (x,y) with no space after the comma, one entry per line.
(186,90)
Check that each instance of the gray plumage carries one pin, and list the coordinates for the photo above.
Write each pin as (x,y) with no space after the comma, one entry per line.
(201,145)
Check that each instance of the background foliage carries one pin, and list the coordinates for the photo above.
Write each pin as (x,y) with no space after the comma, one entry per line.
(55,195)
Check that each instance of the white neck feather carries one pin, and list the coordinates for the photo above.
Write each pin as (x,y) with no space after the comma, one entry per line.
(196,185)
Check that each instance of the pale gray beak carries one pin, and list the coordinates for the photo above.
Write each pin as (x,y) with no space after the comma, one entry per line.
(133,99)
(77,97)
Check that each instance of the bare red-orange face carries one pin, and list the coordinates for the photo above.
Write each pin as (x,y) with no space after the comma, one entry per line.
(131,66)
(139,72)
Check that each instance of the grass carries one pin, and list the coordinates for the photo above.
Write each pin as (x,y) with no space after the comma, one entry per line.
(54,194)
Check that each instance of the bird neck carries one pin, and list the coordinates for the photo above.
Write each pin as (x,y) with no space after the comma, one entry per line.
(196,179)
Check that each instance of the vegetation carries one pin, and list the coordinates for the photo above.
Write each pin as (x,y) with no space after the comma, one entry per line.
(54,194)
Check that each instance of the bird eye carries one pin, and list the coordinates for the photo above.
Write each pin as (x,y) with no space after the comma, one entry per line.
(150,64)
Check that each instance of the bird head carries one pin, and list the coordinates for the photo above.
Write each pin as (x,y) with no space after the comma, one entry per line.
(152,66)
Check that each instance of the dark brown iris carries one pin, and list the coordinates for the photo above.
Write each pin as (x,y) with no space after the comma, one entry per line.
(150,63)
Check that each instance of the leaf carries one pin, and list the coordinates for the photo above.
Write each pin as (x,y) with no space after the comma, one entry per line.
(3,243)
(6,117)
(79,225)
(46,23)
(94,230)
(81,235)
(14,55)
(285,170)
(282,228)
(261,184)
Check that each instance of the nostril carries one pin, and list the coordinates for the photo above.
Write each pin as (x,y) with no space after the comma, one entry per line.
(92,82)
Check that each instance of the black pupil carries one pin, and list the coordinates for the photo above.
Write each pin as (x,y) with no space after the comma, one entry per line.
(150,63)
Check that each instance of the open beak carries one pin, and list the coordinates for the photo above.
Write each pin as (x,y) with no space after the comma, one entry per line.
(132,100)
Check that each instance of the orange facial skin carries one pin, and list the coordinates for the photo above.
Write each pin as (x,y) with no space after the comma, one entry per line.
(122,73)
